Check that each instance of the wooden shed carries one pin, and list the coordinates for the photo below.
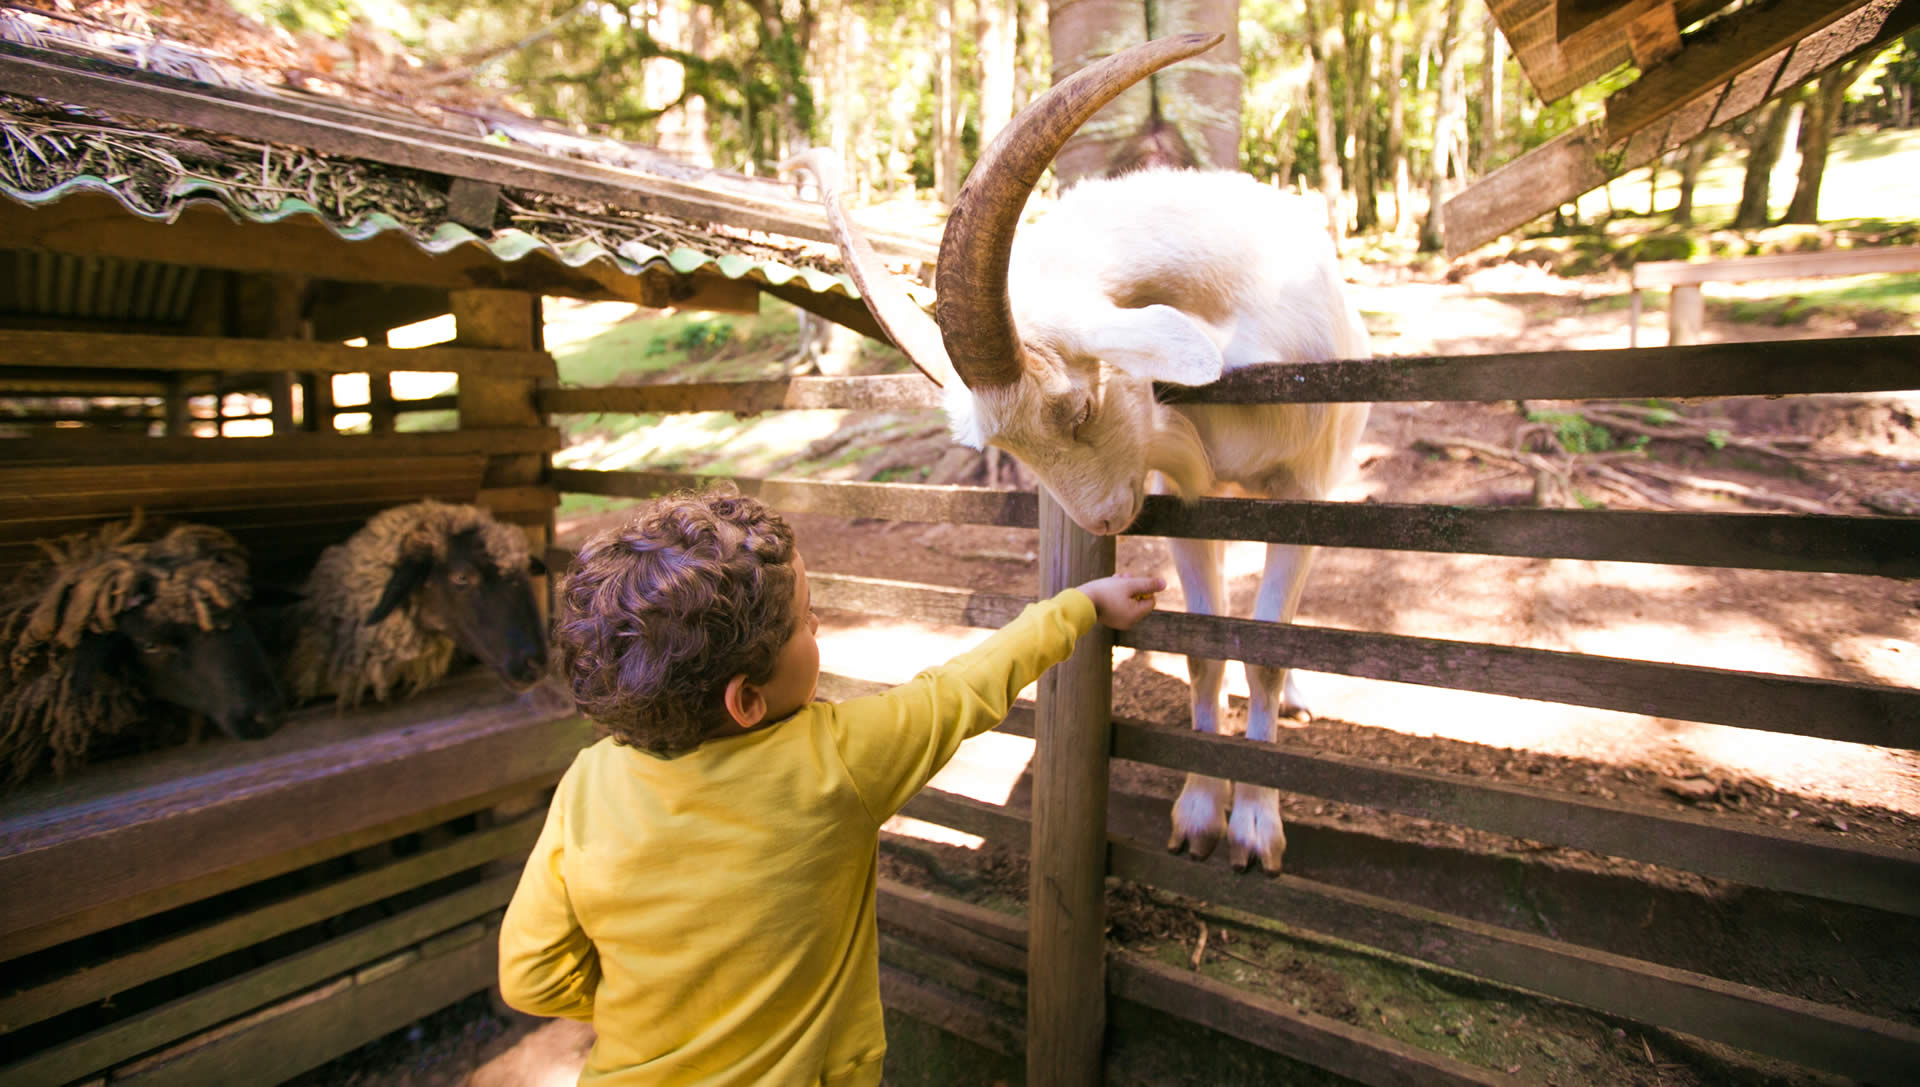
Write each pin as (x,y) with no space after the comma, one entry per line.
(189,260)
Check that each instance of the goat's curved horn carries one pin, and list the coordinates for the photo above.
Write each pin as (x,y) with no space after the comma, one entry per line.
(972,307)
(900,317)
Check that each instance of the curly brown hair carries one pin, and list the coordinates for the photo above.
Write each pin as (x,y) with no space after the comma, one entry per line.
(657,615)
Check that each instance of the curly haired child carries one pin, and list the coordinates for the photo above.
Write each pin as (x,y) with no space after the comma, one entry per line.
(703,891)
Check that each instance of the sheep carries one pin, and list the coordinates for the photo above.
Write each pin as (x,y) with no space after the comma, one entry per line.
(383,613)
(1048,346)
(116,621)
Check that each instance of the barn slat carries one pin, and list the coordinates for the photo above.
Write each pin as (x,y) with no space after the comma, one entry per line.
(77,987)
(109,836)
(66,447)
(885,392)
(228,354)
(312,1028)
(121,1041)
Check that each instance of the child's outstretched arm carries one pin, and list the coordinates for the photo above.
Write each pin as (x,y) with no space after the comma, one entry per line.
(892,743)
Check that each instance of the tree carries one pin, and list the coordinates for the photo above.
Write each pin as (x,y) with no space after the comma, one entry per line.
(1187,115)
(1446,120)
(1816,133)
(1766,137)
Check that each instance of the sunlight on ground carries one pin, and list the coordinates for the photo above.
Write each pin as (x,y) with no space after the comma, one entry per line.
(751,444)
(569,323)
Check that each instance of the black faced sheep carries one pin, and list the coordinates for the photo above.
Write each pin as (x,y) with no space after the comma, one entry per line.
(117,621)
(383,613)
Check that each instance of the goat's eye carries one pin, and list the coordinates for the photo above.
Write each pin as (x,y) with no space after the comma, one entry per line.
(1082,421)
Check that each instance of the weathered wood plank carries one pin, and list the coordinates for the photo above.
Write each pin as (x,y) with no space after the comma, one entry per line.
(893,501)
(886,392)
(1359,1055)
(1821,866)
(1889,260)
(1798,1030)
(40,493)
(304,1033)
(1772,368)
(973,1020)
(178,1019)
(98,350)
(110,836)
(1884,546)
(1066,885)
(1716,54)
(66,448)
(975,932)
(30,1001)
(1829,709)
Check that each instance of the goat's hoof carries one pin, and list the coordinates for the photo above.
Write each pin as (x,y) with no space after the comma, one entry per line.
(1244,859)
(1198,846)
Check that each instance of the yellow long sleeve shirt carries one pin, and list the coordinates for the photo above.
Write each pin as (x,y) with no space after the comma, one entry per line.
(712,915)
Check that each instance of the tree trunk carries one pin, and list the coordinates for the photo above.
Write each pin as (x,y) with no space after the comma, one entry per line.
(1487,151)
(1358,32)
(998,19)
(1446,120)
(1696,156)
(1186,115)
(1816,135)
(1331,185)
(1397,117)
(946,109)
(1763,154)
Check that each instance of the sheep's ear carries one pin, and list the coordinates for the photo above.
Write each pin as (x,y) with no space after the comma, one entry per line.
(1158,343)
(408,575)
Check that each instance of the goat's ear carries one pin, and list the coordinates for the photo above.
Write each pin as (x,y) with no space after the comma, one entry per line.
(1158,343)
(408,575)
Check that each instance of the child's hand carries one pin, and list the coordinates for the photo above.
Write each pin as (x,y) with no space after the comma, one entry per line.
(1122,600)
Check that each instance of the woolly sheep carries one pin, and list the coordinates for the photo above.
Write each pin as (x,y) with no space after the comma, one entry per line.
(115,623)
(383,613)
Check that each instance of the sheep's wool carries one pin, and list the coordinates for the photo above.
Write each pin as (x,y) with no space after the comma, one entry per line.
(192,575)
(335,653)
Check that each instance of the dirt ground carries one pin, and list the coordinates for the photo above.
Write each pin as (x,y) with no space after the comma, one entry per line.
(1856,455)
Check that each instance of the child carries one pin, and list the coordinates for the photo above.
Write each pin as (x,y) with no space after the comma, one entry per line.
(703,892)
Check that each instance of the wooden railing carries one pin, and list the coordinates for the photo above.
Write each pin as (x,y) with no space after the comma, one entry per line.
(1686,307)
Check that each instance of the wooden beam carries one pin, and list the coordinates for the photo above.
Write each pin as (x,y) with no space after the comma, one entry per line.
(1066,886)
(848,312)
(94,350)
(1714,55)
(886,392)
(1586,157)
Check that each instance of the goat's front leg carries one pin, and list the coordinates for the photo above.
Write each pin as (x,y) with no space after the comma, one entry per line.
(1200,815)
(1256,830)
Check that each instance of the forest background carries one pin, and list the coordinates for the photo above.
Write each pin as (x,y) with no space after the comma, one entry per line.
(1382,106)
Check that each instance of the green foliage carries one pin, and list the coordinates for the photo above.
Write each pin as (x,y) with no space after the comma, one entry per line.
(1663,245)
(325,17)
(1575,433)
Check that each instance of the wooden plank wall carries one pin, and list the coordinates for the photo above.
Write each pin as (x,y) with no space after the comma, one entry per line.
(1820,1036)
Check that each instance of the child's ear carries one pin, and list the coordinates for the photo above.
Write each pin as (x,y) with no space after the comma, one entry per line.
(745,704)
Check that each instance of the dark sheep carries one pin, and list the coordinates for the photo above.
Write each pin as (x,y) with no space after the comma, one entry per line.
(383,614)
(118,623)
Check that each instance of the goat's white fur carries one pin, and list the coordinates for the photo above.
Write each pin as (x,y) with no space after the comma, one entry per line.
(1179,276)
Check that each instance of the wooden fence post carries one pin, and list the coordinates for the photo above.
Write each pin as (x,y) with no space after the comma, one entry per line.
(1066,946)
(510,320)
(1686,313)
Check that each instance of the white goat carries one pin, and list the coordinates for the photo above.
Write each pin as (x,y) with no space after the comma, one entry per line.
(1049,348)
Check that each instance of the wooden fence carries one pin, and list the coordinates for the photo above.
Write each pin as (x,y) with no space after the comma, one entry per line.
(1074,843)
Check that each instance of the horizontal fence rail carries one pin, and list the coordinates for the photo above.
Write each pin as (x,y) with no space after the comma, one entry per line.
(110,350)
(1758,855)
(1888,546)
(1828,709)
(1805,1031)
(1775,368)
